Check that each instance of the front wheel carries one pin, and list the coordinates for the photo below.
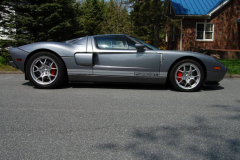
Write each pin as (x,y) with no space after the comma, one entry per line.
(45,70)
(187,76)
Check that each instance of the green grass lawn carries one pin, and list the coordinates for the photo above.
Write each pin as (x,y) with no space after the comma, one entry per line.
(233,65)
(5,66)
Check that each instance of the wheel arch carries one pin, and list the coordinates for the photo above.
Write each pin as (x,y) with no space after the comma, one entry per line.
(42,50)
(192,58)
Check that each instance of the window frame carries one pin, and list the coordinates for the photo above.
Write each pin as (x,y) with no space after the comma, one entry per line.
(204,32)
(126,39)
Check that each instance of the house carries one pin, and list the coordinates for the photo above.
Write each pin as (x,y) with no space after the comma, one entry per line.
(203,24)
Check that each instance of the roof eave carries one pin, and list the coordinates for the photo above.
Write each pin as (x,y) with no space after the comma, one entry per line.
(193,16)
(217,8)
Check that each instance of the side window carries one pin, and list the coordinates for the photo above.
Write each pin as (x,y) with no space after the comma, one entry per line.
(131,44)
(111,42)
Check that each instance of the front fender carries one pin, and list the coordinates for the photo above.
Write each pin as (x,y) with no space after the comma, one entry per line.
(171,57)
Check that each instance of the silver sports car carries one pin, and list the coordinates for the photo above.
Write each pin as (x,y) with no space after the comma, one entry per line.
(114,58)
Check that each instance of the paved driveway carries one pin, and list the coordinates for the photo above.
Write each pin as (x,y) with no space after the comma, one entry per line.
(111,121)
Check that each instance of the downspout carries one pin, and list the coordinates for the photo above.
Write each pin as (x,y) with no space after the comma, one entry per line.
(181,34)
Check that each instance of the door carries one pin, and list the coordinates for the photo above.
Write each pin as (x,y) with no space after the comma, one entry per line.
(116,56)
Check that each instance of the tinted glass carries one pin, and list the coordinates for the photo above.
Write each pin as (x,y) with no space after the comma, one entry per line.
(208,35)
(111,42)
(199,35)
(200,27)
(148,45)
(209,27)
(131,44)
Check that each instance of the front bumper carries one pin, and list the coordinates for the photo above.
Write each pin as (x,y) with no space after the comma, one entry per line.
(216,76)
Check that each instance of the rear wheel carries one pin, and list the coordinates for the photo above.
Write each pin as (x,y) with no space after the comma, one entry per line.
(45,70)
(187,76)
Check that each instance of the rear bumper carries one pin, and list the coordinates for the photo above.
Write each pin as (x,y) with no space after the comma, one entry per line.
(17,53)
(13,64)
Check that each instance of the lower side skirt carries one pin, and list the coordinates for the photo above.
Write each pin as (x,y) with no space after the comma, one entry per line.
(122,79)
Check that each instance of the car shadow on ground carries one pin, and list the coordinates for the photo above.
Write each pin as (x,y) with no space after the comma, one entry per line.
(119,86)
(135,86)
(212,88)
(107,86)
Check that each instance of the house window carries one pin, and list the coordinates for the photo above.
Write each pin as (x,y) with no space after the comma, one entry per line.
(205,32)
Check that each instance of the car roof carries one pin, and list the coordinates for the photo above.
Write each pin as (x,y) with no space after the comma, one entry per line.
(110,35)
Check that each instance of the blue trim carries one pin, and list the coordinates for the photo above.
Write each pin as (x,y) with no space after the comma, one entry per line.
(195,7)
(238,21)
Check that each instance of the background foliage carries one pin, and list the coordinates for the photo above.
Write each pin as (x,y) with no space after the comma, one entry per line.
(29,21)
(59,20)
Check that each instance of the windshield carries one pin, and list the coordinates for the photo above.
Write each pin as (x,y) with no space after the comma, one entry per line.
(148,45)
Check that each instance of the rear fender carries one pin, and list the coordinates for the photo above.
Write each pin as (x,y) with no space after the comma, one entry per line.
(62,49)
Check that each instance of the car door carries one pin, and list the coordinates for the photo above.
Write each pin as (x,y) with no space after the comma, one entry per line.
(116,56)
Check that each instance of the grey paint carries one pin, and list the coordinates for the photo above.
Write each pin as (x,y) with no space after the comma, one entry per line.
(125,62)
(84,59)
(62,49)
(85,62)
(81,41)
(13,64)
(120,79)
(73,68)
(18,53)
(169,57)
(89,45)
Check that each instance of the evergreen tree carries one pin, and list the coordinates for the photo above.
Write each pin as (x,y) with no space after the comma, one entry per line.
(92,16)
(46,20)
(116,18)
(6,19)
(7,28)
(148,18)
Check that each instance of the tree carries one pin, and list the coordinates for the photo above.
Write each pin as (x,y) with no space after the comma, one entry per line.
(7,25)
(46,20)
(148,17)
(92,16)
(7,28)
(116,18)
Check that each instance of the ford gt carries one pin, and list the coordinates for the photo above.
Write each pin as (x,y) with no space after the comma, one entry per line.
(114,58)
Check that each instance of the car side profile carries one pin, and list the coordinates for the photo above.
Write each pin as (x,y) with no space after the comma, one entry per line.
(114,58)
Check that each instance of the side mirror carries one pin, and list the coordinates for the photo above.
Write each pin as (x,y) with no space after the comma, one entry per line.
(140,47)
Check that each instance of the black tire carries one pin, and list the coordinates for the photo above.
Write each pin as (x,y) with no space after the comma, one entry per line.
(45,70)
(187,79)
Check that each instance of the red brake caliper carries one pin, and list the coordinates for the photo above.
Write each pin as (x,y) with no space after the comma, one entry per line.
(53,71)
(179,74)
